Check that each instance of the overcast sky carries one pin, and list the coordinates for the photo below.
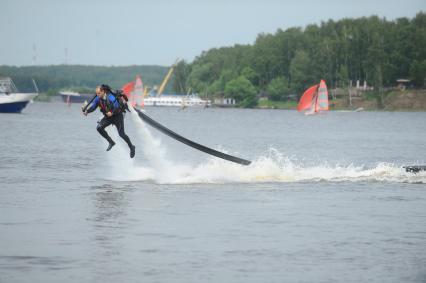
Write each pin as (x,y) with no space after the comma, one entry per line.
(131,32)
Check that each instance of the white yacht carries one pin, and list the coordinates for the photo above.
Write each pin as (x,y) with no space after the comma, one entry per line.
(11,100)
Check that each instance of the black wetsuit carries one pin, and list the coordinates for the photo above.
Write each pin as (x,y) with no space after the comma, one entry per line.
(118,121)
(110,104)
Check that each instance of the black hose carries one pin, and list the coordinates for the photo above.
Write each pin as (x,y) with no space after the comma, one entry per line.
(190,143)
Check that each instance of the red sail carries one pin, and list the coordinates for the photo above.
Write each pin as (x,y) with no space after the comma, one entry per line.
(128,88)
(305,102)
(134,91)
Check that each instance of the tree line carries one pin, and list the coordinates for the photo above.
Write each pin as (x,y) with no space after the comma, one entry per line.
(54,78)
(285,63)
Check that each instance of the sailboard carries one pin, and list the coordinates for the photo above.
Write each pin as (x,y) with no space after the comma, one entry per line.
(314,99)
(188,142)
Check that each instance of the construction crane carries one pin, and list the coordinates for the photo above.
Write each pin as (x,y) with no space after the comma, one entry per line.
(166,78)
(146,90)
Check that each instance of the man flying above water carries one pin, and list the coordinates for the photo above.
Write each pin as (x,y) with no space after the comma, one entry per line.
(113,114)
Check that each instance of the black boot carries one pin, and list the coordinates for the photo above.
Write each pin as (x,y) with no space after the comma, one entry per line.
(132,151)
(111,144)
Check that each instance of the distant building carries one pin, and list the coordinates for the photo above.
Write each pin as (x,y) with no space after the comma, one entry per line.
(402,83)
(224,101)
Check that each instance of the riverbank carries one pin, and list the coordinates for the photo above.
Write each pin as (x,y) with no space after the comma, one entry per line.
(394,100)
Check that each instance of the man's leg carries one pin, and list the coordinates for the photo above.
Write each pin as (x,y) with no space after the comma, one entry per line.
(102,124)
(119,123)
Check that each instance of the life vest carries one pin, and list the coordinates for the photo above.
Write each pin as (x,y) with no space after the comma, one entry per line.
(106,105)
(118,105)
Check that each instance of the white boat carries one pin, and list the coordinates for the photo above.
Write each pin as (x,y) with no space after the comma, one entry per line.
(11,100)
(177,101)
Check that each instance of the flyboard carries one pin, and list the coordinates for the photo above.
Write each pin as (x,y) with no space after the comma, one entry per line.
(415,168)
(188,142)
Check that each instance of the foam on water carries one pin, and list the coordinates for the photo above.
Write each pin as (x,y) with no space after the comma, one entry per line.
(272,167)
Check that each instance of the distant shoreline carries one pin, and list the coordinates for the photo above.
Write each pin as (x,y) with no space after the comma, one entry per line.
(401,100)
(395,100)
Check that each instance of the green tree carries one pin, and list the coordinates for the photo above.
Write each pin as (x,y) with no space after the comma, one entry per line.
(181,73)
(418,73)
(343,76)
(266,55)
(226,76)
(242,90)
(200,77)
(278,89)
(214,88)
(300,72)
(251,75)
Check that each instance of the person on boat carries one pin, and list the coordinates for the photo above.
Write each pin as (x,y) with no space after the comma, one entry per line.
(113,114)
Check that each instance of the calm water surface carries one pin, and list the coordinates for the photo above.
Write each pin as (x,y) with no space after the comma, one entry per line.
(325,199)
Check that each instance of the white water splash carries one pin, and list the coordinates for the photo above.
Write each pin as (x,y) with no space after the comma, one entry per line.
(273,167)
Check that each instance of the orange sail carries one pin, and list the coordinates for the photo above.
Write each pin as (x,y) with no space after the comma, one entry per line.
(305,102)
(128,88)
(315,99)
(134,91)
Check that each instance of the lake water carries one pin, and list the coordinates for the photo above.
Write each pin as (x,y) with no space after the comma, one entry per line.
(325,199)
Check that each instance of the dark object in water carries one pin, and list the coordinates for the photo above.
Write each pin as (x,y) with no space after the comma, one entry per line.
(415,168)
(198,146)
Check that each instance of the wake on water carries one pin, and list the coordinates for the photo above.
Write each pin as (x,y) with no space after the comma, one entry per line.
(273,167)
